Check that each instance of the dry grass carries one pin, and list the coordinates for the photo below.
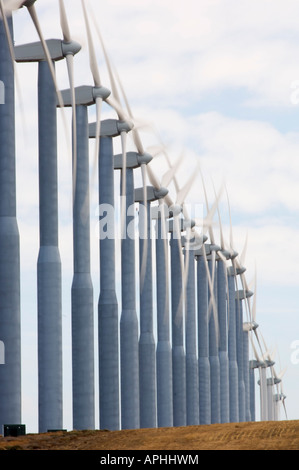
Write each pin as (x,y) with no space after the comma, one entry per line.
(281,435)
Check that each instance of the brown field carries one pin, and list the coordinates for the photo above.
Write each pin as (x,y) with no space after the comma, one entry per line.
(274,435)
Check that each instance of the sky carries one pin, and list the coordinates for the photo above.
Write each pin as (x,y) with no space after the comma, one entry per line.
(219,81)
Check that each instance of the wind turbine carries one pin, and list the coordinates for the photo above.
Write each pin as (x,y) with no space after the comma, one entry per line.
(192,384)
(204,290)
(129,358)
(222,304)
(145,362)
(217,327)
(247,331)
(147,348)
(279,399)
(235,332)
(176,226)
(214,346)
(204,372)
(46,53)
(108,333)
(10,372)
(271,381)
(82,290)
(163,350)
(241,295)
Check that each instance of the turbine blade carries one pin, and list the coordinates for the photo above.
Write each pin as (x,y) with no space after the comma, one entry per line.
(124,95)
(210,228)
(107,59)
(70,68)
(212,302)
(154,181)
(64,22)
(182,194)
(254,349)
(281,373)
(32,12)
(220,223)
(7,32)
(170,174)
(243,254)
(137,141)
(99,101)
(254,298)
(135,133)
(92,55)
(117,107)
(211,212)
(176,185)
(230,222)
(12,55)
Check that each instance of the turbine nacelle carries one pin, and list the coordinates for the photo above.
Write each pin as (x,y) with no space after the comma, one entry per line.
(34,52)
(163,210)
(269,363)
(194,242)
(226,254)
(152,194)
(209,248)
(180,224)
(85,95)
(273,381)
(242,295)
(250,326)
(133,160)
(175,210)
(200,239)
(232,271)
(27,3)
(254,364)
(110,128)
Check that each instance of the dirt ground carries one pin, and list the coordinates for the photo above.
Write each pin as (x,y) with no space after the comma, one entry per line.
(276,435)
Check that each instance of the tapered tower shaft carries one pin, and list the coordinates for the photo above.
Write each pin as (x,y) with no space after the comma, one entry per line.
(147,347)
(214,345)
(223,346)
(108,304)
(240,359)
(203,343)
(252,367)
(232,353)
(192,393)
(49,263)
(164,355)
(82,288)
(177,307)
(246,374)
(130,416)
